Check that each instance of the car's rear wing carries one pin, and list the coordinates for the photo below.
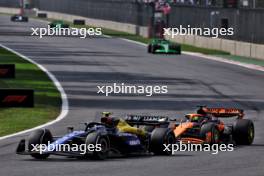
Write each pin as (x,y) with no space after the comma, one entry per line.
(225,112)
(146,120)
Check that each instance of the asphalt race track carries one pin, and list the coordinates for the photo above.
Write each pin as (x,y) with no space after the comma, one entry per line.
(82,64)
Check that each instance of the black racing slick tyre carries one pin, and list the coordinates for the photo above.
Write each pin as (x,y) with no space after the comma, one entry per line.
(38,137)
(52,25)
(154,48)
(149,48)
(243,132)
(25,19)
(159,138)
(98,141)
(210,133)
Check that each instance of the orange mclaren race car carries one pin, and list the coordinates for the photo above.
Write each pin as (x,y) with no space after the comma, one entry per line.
(205,126)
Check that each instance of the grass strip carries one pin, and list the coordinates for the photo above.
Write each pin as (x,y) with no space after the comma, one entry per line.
(47,97)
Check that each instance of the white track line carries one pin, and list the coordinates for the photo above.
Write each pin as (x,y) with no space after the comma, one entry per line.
(135,42)
(64,106)
(219,59)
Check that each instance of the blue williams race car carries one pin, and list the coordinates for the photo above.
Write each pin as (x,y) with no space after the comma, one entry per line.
(99,140)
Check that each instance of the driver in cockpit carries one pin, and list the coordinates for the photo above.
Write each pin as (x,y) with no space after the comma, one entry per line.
(121,125)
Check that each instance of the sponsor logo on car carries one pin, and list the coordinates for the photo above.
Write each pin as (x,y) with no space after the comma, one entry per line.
(134,142)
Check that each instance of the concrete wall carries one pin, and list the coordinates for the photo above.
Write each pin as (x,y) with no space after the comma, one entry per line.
(124,27)
(9,10)
(231,46)
(248,24)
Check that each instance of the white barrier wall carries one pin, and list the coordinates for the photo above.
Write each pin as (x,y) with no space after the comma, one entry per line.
(231,46)
(234,47)
(9,10)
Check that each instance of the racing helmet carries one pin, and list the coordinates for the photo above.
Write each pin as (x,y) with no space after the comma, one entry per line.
(194,117)
(108,120)
(106,114)
(202,110)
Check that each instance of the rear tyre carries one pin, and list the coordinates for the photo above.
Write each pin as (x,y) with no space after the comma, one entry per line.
(149,128)
(159,137)
(243,132)
(98,140)
(210,133)
(26,19)
(52,25)
(149,48)
(40,136)
(154,48)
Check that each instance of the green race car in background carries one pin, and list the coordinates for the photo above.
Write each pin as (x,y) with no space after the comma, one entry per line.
(58,24)
(163,46)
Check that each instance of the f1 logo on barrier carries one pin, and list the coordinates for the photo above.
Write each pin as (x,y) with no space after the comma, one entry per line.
(16,98)
(7,71)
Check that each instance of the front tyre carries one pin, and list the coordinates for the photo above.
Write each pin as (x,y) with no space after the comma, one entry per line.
(39,137)
(97,139)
